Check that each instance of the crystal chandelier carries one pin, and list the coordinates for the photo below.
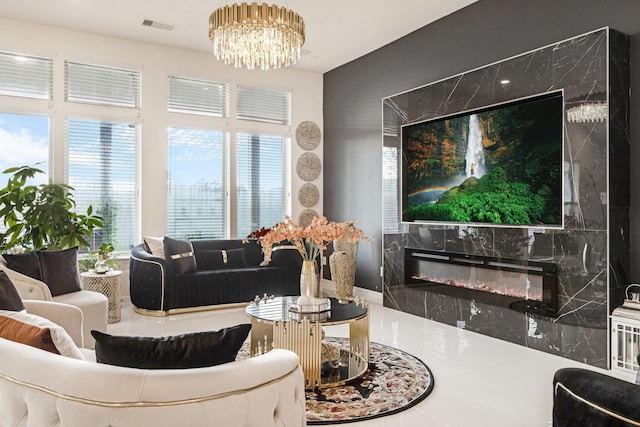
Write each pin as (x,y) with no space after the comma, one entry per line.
(256,35)
(588,112)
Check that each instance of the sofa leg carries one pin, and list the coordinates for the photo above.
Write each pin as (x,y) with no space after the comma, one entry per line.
(164,313)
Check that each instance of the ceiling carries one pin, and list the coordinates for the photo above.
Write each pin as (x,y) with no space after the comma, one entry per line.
(337,31)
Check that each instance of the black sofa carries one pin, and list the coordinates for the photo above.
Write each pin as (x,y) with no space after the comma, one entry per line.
(584,398)
(159,286)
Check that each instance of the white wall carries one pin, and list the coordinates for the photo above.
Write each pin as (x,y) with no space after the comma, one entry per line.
(155,62)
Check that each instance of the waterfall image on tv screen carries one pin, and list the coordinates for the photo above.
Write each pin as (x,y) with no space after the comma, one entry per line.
(499,165)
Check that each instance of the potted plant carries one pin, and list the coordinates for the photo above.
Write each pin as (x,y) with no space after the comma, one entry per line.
(100,261)
(41,216)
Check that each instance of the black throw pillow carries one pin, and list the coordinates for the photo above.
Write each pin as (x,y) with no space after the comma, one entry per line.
(221,258)
(209,259)
(194,350)
(234,258)
(9,297)
(285,255)
(180,254)
(26,263)
(60,270)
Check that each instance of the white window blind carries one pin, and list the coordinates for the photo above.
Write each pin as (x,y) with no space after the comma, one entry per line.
(195,185)
(26,76)
(261,188)
(263,105)
(101,167)
(100,85)
(197,97)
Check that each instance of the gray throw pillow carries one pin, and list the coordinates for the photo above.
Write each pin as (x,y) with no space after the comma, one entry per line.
(9,297)
(194,350)
(60,270)
(179,253)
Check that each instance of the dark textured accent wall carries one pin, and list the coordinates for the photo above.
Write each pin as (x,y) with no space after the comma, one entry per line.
(480,34)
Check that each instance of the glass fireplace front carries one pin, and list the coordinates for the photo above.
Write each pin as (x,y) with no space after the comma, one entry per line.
(532,284)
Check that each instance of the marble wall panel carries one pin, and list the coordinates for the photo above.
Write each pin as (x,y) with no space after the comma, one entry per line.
(591,250)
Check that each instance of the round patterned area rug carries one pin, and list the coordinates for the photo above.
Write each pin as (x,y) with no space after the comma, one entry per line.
(394,382)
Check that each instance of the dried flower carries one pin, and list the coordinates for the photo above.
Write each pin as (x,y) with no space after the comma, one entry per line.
(310,240)
(257,234)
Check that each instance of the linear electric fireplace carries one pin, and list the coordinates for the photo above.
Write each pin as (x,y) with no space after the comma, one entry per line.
(529,286)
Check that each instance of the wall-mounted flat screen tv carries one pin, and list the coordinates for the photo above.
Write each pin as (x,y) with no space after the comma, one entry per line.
(500,165)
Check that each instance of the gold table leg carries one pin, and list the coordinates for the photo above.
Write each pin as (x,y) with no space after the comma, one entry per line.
(305,339)
(261,340)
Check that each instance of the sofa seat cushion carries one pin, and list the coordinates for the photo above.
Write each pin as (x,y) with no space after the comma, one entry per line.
(194,350)
(36,331)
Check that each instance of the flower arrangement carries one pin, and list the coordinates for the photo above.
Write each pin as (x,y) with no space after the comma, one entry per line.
(309,240)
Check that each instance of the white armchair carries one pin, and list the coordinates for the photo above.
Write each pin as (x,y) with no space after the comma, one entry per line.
(94,306)
(67,316)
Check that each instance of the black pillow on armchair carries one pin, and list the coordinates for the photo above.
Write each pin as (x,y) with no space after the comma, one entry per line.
(194,350)
(26,263)
(60,270)
(9,297)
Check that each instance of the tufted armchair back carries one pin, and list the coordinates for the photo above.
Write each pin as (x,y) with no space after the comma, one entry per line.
(44,389)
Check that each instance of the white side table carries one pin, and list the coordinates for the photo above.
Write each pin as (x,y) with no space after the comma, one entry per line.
(107,284)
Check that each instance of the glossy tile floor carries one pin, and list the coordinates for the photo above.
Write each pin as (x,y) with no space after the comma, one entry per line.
(479,381)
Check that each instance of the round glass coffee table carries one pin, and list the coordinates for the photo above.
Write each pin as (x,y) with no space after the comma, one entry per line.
(274,325)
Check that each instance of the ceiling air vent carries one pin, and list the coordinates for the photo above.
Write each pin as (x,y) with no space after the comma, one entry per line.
(157,24)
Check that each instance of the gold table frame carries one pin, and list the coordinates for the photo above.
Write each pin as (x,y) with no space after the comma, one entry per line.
(304,337)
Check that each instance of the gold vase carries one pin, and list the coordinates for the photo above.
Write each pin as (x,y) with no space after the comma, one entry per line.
(309,279)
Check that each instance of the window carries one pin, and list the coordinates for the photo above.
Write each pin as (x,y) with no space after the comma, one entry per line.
(99,85)
(260,182)
(26,76)
(195,184)
(24,141)
(223,185)
(101,167)
(197,97)
(264,105)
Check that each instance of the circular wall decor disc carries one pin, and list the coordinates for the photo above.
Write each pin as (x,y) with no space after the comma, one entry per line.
(308,166)
(308,135)
(308,195)
(306,216)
